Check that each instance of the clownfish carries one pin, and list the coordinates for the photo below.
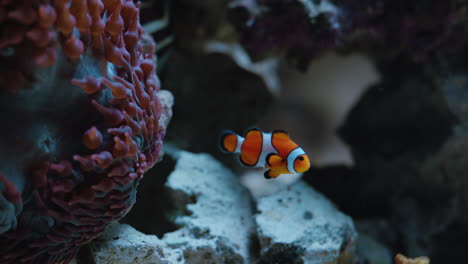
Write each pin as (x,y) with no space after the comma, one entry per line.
(274,151)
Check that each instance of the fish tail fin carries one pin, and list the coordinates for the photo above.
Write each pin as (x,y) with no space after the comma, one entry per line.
(228,141)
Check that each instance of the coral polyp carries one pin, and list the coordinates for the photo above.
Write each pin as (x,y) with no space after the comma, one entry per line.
(82,104)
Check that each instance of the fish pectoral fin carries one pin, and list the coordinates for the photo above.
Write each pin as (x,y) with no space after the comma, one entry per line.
(270,174)
(273,160)
(274,164)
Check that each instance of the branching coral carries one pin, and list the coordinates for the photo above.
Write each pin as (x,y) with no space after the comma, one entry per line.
(400,259)
(85,122)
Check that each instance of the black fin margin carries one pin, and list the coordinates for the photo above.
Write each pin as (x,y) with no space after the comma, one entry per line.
(279,131)
(221,137)
(252,129)
(266,175)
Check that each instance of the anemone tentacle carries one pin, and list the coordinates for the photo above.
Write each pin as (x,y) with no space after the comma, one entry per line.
(70,197)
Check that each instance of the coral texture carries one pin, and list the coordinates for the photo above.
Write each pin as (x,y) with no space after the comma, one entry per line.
(300,28)
(304,29)
(416,27)
(81,98)
(400,259)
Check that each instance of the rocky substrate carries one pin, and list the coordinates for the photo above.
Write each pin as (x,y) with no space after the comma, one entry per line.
(217,223)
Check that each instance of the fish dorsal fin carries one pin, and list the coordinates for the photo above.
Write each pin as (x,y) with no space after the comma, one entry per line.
(252,130)
(273,160)
(281,134)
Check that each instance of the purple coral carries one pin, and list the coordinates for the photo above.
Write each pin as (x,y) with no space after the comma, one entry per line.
(416,27)
(305,28)
(302,29)
(83,120)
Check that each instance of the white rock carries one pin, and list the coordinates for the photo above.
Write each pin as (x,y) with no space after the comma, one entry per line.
(122,244)
(218,229)
(220,224)
(214,212)
(301,220)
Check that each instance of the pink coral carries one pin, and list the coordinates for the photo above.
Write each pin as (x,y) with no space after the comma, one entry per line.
(66,195)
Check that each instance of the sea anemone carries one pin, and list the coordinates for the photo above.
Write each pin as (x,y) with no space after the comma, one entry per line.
(82,122)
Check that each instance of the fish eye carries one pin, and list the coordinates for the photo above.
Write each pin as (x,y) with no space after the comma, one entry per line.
(301,158)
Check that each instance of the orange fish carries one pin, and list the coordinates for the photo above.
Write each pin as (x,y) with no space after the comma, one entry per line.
(274,151)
